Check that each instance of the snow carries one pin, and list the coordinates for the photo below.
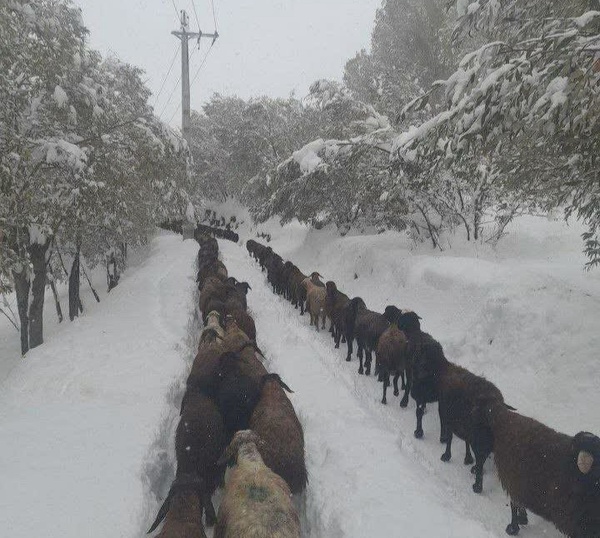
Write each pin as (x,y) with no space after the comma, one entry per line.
(60,96)
(308,158)
(87,419)
(80,415)
(586,18)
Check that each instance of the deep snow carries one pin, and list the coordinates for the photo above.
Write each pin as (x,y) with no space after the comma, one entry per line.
(82,416)
(87,420)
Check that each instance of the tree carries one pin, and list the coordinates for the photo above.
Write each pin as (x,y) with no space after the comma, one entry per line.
(526,103)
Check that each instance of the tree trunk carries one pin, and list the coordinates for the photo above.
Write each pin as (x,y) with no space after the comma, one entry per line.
(22,286)
(74,301)
(56,300)
(37,254)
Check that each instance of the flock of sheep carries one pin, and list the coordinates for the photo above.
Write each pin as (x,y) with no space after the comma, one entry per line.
(234,415)
(552,474)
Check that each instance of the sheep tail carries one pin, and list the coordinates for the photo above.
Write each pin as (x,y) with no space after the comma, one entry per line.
(183,483)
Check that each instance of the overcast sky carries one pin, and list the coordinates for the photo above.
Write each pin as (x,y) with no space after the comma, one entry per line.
(267,47)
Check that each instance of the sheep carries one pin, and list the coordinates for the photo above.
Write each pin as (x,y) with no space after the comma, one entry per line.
(257,502)
(213,321)
(458,392)
(200,439)
(335,305)
(239,387)
(425,353)
(276,423)
(393,357)
(214,268)
(235,337)
(297,291)
(366,326)
(552,474)
(182,509)
(244,322)
(315,299)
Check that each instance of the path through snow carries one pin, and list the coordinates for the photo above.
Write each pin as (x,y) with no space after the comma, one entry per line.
(368,475)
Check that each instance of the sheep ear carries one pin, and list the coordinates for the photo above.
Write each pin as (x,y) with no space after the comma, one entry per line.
(284,386)
(585,461)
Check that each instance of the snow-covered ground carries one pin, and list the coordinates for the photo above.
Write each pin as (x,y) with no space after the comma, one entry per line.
(85,417)
(87,420)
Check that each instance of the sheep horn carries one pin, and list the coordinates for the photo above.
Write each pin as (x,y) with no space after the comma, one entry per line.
(510,407)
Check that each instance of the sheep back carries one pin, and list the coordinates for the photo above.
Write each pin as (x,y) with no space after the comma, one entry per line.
(537,467)
(276,423)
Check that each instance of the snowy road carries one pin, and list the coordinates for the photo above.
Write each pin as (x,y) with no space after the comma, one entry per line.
(368,475)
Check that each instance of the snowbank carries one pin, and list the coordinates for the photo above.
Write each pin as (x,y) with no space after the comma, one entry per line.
(81,416)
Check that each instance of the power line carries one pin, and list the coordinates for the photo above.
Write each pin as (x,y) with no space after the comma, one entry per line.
(212,3)
(196,15)
(195,77)
(164,81)
(176,10)
(173,91)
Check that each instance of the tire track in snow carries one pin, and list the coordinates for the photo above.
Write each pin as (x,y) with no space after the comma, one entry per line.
(366,477)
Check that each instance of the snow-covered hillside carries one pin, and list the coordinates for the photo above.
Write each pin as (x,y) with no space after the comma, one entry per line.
(87,419)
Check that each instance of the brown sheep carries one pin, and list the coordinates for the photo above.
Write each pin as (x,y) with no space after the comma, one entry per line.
(199,442)
(276,423)
(552,474)
(257,502)
(393,357)
(182,510)
(335,309)
(315,299)
(366,326)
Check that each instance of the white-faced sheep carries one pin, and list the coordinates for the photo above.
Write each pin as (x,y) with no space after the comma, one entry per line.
(257,502)
(552,474)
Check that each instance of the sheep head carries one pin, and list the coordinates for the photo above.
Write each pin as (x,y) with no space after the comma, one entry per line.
(409,322)
(392,313)
(587,454)
(243,440)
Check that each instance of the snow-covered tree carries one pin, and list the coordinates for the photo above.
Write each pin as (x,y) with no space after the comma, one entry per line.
(80,153)
(410,49)
(525,105)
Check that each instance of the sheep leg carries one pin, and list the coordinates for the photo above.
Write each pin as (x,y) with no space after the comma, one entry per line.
(512,529)
(420,412)
(368,359)
(403,387)
(446,456)
(360,359)
(343,338)
(209,511)
(349,355)
(301,307)
(478,471)
(404,401)
(396,376)
(468,456)
(323,324)
(386,384)
(522,516)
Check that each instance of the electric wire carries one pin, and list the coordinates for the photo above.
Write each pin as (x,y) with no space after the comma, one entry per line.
(194,79)
(176,10)
(174,89)
(212,3)
(164,81)
(196,15)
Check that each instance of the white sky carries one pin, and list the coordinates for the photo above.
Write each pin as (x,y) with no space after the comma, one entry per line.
(267,47)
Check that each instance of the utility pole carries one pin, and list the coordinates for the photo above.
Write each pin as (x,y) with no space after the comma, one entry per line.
(184,36)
